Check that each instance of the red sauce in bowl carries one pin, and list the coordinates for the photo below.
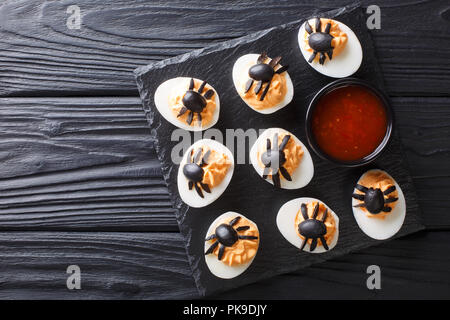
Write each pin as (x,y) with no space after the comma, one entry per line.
(349,123)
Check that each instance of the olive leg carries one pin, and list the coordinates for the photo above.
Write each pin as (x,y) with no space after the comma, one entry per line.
(361,188)
(308,27)
(248,85)
(324,243)
(211,237)
(284,142)
(182,111)
(304,211)
(234,221)
(190,117)
(199,191)
(274,61)
(282,69)
(211,248)
(285,174)
(221,252)
(248,237)
(258,87)
(304,243)
(316,211)
(358,196)
(390,200)
(276,180)
(266,89)
(322,58)
(205,187)
(262,57)
(313,245)
(202,86)
(266,172)
(389,190)
(312,57)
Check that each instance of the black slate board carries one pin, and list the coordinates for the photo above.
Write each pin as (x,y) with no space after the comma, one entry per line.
(247,192)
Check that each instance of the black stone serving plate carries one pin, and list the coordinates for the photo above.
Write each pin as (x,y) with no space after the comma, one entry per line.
(247,193)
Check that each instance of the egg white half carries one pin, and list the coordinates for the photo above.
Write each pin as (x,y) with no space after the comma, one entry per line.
(301,176)
(218,268)
(171,87)
(240,71)
(190,197)
(286,224)
(381,229)
(343,65)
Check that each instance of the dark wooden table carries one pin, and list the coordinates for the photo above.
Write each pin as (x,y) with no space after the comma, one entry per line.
(80,183)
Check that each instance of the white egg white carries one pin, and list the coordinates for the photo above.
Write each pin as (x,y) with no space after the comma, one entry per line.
(172,87)
(218,268)
(301,176)
(381,229)
(343,65)
(240,71)
(191,197)
(286,224)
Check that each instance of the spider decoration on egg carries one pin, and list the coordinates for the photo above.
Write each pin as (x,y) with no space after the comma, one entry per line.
(263,73)
(194,172)
(195,102)
(312,228)
(227,236)
(374,199)
(273,160)
(319,41)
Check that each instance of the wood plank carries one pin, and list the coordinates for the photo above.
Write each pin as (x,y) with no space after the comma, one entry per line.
(79,163)
(88,164)
(154,266)
(40,56)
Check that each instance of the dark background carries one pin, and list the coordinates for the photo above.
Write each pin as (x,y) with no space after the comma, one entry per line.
(79,179)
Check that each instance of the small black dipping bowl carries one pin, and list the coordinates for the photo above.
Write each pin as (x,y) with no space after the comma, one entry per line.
(338,84)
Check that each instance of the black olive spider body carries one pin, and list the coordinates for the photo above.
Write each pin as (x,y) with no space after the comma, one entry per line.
(320,42)
(263,74)
(194,172)
(374,199)
(274,158)
(312,228)
(194,102)
(227,236)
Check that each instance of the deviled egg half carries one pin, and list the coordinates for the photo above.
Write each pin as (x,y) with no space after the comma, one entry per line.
(281,159)
(378,203)
(263,84)
(188,103)
(231,244)
(204,173)
(330,47)
(309,224)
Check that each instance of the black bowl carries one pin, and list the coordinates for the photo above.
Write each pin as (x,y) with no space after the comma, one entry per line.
(338,84)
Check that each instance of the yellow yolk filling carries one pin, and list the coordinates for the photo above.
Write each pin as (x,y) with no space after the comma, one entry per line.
(339,37)
(216,168)
(176,103)
(293,153)
(277,90)
(242,251)
(378,179)
(330,223)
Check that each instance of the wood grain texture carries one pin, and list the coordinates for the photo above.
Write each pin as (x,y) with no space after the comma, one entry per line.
(40,56)
(79,163)
(88,164)
(154,266)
